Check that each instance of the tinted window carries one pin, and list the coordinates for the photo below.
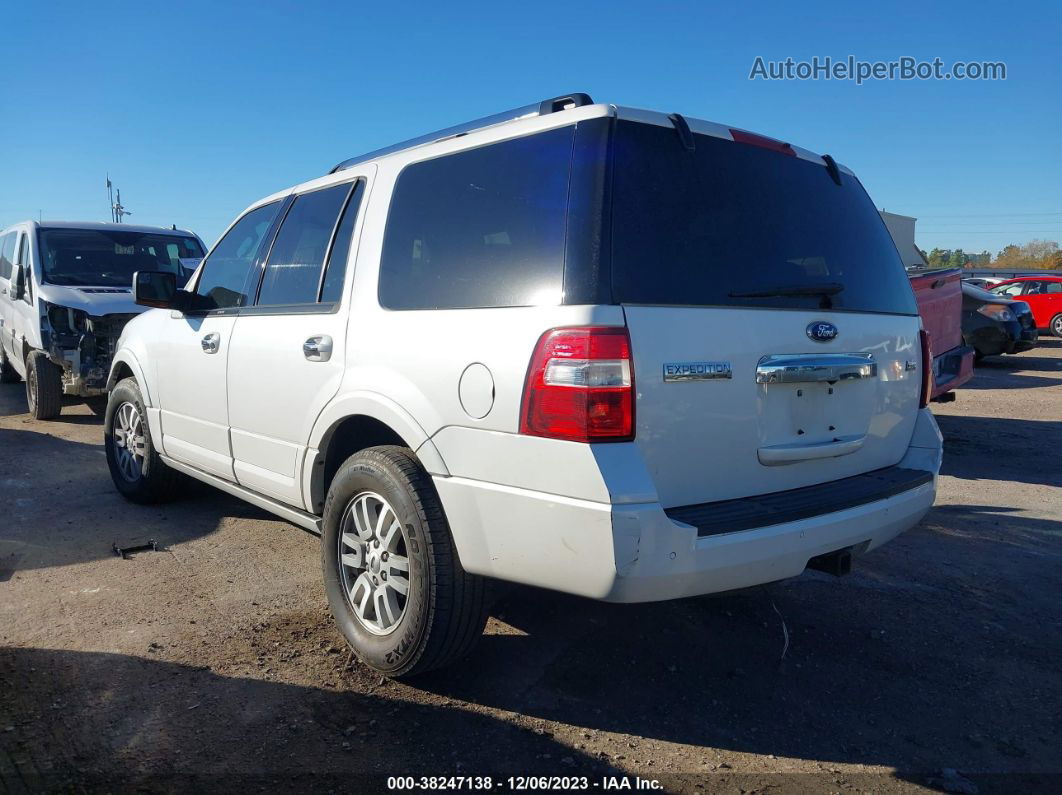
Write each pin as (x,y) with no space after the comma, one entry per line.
(229,273)
(293,272)
(480,228)
(7,254)
(332,291)
(1051,287)
(729,222)
(107,257)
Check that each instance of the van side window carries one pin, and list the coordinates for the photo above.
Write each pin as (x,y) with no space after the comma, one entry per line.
(7,248)
(24,261)
(230,272)
(293,270)
(336,269)
(480,228)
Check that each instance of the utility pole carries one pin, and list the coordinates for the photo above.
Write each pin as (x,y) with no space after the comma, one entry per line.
(110,196)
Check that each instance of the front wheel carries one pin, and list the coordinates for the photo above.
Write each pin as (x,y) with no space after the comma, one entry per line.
(136,469)
(1056,325)
(44,387)
(393,579)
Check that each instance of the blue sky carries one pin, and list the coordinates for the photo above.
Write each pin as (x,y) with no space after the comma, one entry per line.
(196,109)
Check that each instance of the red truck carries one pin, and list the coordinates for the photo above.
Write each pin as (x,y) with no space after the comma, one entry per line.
(939,295)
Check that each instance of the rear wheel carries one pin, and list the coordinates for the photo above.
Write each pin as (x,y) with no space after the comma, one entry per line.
(394,583)
(44,387)
(136,469)
(1056,325)
(8,374)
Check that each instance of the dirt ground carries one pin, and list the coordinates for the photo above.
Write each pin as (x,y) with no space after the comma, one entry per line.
(214,663)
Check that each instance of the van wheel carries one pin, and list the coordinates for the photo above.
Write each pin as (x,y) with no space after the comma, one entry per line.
(44,387)
(394,583)
(1056,325)
(136,469)
(8,374)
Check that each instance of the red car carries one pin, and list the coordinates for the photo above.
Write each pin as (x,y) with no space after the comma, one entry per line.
(1043,294)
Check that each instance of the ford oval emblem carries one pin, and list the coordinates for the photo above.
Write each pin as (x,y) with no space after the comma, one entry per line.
(821,331)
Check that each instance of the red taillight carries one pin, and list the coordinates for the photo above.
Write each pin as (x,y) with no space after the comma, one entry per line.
(773,144)
(927,370)
(580,386)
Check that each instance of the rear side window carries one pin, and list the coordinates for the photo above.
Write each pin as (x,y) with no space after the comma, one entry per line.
(293,271)
(732,224)
(480,228)
(336,270)
(230,273)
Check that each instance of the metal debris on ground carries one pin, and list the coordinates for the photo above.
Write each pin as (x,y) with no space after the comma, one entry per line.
(125,552)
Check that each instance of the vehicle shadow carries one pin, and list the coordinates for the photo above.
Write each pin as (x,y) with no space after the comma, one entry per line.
(85,721)
(75,411)
(1000,448)
(912,662)
(58,515)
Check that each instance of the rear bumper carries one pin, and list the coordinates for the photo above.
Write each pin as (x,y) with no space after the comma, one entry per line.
(636,553)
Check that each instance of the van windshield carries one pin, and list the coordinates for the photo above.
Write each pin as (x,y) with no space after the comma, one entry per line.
(109,258)
(733,224)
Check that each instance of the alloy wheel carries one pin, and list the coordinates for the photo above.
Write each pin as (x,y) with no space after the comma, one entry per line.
(374,562)
(128,434)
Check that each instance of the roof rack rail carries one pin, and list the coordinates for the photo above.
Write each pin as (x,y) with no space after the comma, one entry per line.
(543,108)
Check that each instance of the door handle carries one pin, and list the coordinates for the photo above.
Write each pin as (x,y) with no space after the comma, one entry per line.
(211,342)
(318,349)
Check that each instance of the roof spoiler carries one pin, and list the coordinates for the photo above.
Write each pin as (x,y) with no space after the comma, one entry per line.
(543,108)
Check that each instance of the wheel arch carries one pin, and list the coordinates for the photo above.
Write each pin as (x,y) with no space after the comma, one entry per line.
(126,365)
(356,422)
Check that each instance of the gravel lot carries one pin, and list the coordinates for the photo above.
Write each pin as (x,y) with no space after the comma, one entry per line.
(936,664)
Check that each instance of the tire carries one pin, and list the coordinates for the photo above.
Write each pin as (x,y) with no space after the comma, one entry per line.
(1056,325)
(444,608)
(8,374)
(137,471)
(44,387)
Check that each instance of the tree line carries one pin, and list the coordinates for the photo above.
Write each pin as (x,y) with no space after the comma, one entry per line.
(1037,254)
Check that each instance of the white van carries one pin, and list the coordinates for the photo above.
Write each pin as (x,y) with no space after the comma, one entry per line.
(65,295)
(621,354)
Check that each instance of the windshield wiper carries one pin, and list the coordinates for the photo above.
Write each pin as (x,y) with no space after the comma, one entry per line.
(825,291)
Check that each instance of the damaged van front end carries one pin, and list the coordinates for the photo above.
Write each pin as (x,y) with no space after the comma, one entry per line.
(80,327)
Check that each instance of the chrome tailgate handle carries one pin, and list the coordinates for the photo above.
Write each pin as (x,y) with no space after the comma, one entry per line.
(815,367)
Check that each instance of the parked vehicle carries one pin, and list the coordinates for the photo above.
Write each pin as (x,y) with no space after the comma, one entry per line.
(939,296)
(984,282)
(995,324)
(430,354)
(1043,294)
(65,297)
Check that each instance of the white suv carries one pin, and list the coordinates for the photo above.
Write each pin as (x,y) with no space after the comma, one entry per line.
(615,353)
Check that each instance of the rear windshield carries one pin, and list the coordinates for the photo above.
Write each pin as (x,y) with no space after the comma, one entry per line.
(109,258)
(732,224)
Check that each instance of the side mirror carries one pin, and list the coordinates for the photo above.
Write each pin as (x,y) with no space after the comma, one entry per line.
(154,288)
(18,281)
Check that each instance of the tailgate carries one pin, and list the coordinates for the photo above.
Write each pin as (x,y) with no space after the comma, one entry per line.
(939,297)
(736,402)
